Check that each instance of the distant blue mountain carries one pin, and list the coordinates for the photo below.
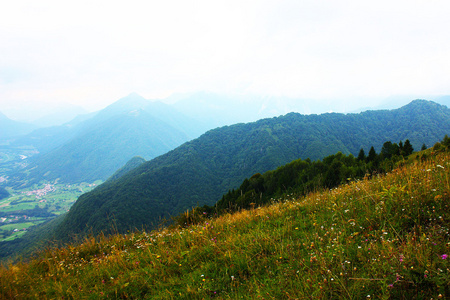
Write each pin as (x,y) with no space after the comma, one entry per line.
(10,128)
(91,149)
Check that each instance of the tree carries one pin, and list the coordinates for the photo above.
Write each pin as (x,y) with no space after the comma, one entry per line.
(372,155)
(446,141)
(361,155)
(400,148)
(408,148)
(395,149)
(424,147)
(386,150)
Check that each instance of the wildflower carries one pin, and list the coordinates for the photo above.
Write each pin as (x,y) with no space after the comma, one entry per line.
(444,256)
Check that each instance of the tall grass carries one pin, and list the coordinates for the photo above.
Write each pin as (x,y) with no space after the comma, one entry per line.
(383,238)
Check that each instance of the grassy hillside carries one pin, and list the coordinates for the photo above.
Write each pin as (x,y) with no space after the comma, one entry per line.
(387,237)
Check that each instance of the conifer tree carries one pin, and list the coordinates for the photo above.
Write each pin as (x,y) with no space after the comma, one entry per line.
(372,154)
(400,148)
(386,150)
(361,155)
(408,148)
(446,141)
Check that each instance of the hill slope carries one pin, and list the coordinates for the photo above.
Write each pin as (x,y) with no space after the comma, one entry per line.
(200,171)
(130,165)
(384,238)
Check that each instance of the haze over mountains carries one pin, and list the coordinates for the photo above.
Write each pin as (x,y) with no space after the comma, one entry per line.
(94,148)
(10,128)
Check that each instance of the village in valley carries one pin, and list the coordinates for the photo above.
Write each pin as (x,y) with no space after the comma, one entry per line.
(41,203)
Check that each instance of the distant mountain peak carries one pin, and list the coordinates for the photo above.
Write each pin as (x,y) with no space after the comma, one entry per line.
(134,95)
(132,98)
(126,104)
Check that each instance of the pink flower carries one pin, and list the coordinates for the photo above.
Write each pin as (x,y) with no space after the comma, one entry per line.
(444,256)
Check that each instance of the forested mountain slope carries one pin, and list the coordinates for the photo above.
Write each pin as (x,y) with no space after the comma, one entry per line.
(200,171)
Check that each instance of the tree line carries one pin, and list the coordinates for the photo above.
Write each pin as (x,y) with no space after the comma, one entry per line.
(303,176)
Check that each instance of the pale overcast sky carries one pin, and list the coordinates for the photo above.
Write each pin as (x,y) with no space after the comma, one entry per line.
(91,53)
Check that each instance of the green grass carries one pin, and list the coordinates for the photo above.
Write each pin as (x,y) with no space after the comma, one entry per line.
(383,238)
(18,226)
(14,236)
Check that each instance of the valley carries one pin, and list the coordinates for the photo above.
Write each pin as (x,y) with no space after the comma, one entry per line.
(40,203)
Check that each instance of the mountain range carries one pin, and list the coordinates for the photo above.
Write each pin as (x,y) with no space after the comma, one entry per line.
(93,147)
(200,171)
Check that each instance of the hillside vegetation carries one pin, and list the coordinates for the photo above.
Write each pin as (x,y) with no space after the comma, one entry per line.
(378,238)
(200,171)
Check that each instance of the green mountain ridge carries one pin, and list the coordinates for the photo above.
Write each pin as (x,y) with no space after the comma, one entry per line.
(199,172)
(130,165)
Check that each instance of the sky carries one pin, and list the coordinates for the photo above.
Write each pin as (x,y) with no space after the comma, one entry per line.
(91,53)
